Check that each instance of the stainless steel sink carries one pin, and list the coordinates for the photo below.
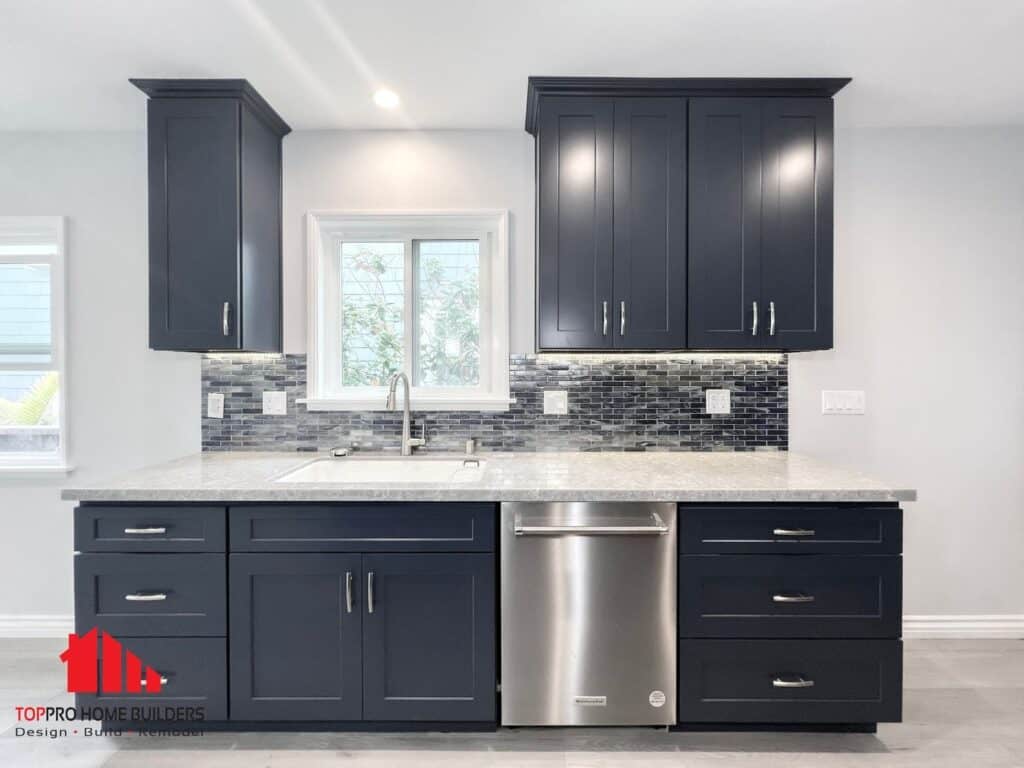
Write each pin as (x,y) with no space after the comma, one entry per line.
(387,470)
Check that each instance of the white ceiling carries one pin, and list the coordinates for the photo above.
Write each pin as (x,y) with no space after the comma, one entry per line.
(65,64)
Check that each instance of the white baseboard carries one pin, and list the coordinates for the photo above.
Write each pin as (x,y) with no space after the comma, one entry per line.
(1006,626)
(36,625)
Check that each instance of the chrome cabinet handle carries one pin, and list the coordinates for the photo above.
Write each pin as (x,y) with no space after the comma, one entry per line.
(369,592)
(604,318)
(156,529)
(792,598)
(145,597)
(622,318)
(348,591)
(753,331)
(226,318)
(771,318)
(792,682)
(163,681)
(792,532)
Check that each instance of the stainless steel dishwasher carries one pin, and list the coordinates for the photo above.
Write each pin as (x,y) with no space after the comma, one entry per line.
(588,613)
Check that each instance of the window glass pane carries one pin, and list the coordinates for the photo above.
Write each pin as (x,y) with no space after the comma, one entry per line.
(25,313)
(372,290)
(29,412)
(448,313)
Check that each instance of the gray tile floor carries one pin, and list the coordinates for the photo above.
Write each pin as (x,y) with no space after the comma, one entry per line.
(963,708)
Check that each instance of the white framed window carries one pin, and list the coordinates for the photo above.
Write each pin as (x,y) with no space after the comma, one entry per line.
(422,292)
(33,378)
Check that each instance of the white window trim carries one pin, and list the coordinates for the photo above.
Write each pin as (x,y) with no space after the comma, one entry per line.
(486,224)
(55,227)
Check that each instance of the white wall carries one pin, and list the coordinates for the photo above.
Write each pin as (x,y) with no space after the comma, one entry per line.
(409,170)
(128,406)
(930,299)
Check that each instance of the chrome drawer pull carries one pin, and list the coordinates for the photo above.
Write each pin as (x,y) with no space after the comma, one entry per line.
(348,591)
(163,681)
(146,597)
(792,682)
(792,532)
(792,598)
(604,318)
(145,531)
(369,592)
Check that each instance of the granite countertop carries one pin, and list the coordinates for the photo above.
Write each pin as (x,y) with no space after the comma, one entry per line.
(738,477)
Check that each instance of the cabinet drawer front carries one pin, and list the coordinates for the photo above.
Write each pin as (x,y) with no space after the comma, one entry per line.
(195,670)
(790,529)
(151,595)
(790,681)
(376,527)
(150,529)
(789,596)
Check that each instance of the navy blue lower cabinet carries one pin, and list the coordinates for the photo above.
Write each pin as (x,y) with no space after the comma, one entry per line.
(790,681)
(295,636)
(840,596)
(429,637)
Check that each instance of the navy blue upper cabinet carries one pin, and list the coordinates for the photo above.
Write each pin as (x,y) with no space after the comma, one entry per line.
(760,246)
(650,223)
(574,224)
(214,216)
(683,213)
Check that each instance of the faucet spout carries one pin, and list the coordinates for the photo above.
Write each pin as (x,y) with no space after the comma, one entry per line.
(408,442)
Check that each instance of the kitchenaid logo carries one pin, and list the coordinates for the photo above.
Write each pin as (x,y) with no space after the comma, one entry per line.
(98,665)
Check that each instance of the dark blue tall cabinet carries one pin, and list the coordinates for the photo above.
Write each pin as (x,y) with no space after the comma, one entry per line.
(214,216)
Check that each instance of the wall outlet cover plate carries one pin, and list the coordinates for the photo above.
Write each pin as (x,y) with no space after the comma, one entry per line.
(717,401)
(275,403)
(215,405)
(843,402)
(556,401)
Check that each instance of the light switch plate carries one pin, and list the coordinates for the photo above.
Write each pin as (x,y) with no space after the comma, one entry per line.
(843,402)
(717,401)
(556,401)
(215,405)
(275,403)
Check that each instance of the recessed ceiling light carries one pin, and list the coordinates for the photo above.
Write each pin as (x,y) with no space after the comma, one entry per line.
(385,98)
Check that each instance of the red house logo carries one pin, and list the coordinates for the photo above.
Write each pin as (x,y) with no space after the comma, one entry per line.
(84,661)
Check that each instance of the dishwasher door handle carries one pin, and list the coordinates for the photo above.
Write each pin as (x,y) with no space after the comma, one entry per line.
(657,529)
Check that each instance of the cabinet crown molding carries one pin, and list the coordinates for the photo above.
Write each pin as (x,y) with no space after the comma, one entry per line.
(220,88)
(538,86)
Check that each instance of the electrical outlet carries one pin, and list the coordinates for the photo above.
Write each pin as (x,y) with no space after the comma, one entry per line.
(717,401)
(843,402)
(556,401)
(215,405)
(275,403)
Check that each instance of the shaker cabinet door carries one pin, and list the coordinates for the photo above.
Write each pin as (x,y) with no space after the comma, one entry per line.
(650,223)
(295,638)
(194,192)
(796,250)
(429,637)
(574,224)
(725,224)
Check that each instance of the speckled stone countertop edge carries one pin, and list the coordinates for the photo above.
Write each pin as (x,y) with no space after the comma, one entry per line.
(773,477)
